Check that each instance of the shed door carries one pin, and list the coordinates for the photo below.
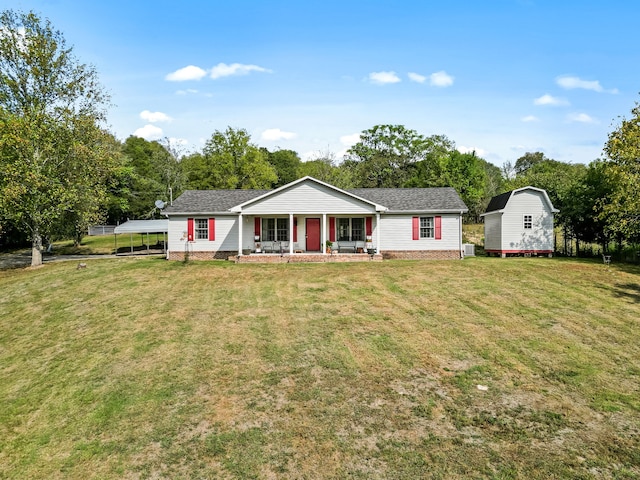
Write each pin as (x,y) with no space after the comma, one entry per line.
(312,228)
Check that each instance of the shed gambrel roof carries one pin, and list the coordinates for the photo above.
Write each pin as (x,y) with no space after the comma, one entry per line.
(395,200)
(499,202)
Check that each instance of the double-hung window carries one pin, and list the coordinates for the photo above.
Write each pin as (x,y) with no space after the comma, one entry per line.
(528,222)
(350,229)
(202,228)
(427,228)
(275,229)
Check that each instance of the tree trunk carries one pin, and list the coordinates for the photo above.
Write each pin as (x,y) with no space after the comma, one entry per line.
(36,250)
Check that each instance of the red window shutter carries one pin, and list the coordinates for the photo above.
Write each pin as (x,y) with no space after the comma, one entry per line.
(438,221)
(369,226)
(332,229)
(190,229)
(416,228)
(256,226)
(295,229)
(212,229)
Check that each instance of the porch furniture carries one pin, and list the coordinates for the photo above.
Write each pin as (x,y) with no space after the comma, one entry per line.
(284,247)
(297,248)
(359,246)
(346,246)
(606,259)
(267,247)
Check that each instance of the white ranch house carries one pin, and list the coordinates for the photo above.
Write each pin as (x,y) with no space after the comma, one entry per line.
(294,223)
(519,222)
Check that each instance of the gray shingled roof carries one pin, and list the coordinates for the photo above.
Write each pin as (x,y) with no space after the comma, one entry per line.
(413,199)
(395,199)
(211,201)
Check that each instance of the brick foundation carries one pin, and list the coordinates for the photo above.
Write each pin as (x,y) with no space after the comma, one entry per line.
(421,254)
(320,258)
(201,255)
(306,258)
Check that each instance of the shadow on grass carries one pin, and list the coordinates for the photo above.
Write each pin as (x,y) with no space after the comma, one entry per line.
(629,291)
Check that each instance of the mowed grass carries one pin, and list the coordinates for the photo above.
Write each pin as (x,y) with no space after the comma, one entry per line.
(143,368)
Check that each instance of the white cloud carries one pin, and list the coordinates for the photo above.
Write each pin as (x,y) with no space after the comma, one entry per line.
(349,140)
(274,134)
(190,72)
(383,78)
(188,91)
(530,118)
(149,132)
(570,83)
(416,77)
(441,79)
(547,99)
(155,117)
(224,70)
(479,151)
(580,118)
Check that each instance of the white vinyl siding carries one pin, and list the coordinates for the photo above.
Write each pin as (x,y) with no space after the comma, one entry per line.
(226,234)
(308,198)
(493,231)
(396,234)
(526,223)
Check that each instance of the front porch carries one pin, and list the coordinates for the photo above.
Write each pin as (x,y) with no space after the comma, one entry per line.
(314,257)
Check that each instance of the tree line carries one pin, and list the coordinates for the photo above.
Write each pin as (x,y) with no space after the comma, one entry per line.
(61,170)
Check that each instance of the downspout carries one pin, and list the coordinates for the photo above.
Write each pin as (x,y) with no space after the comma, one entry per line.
(378,250)
(240,234)
(461,247)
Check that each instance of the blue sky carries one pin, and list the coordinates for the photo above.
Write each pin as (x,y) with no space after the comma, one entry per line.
(501,77)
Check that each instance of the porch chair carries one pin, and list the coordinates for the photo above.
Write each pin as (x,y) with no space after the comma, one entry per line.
(606,259)
(284,247)
(267,247)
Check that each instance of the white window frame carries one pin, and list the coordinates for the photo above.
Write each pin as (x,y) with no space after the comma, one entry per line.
(427,227)
(200,229)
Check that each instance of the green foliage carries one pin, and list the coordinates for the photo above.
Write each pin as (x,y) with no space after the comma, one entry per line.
(325,169)
(54,158)
(286,164)
(229,161)
(154,173)
(623,150)
(386,155)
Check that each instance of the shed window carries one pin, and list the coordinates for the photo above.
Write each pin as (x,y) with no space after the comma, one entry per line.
(528,221)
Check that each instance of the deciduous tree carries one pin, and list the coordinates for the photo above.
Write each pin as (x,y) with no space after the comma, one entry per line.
(51,108)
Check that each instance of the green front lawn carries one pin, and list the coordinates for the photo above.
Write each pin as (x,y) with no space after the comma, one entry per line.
(482,368)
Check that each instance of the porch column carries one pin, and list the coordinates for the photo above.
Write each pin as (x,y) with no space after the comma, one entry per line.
(291,234)
(240,220)
(323,241)
(378,232)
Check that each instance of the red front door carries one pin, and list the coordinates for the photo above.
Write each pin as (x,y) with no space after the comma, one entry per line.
(312,231)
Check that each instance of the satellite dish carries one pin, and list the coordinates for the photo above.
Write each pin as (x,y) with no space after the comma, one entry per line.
(160,204)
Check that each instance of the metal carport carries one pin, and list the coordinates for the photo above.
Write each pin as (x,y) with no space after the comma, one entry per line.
(143,226)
